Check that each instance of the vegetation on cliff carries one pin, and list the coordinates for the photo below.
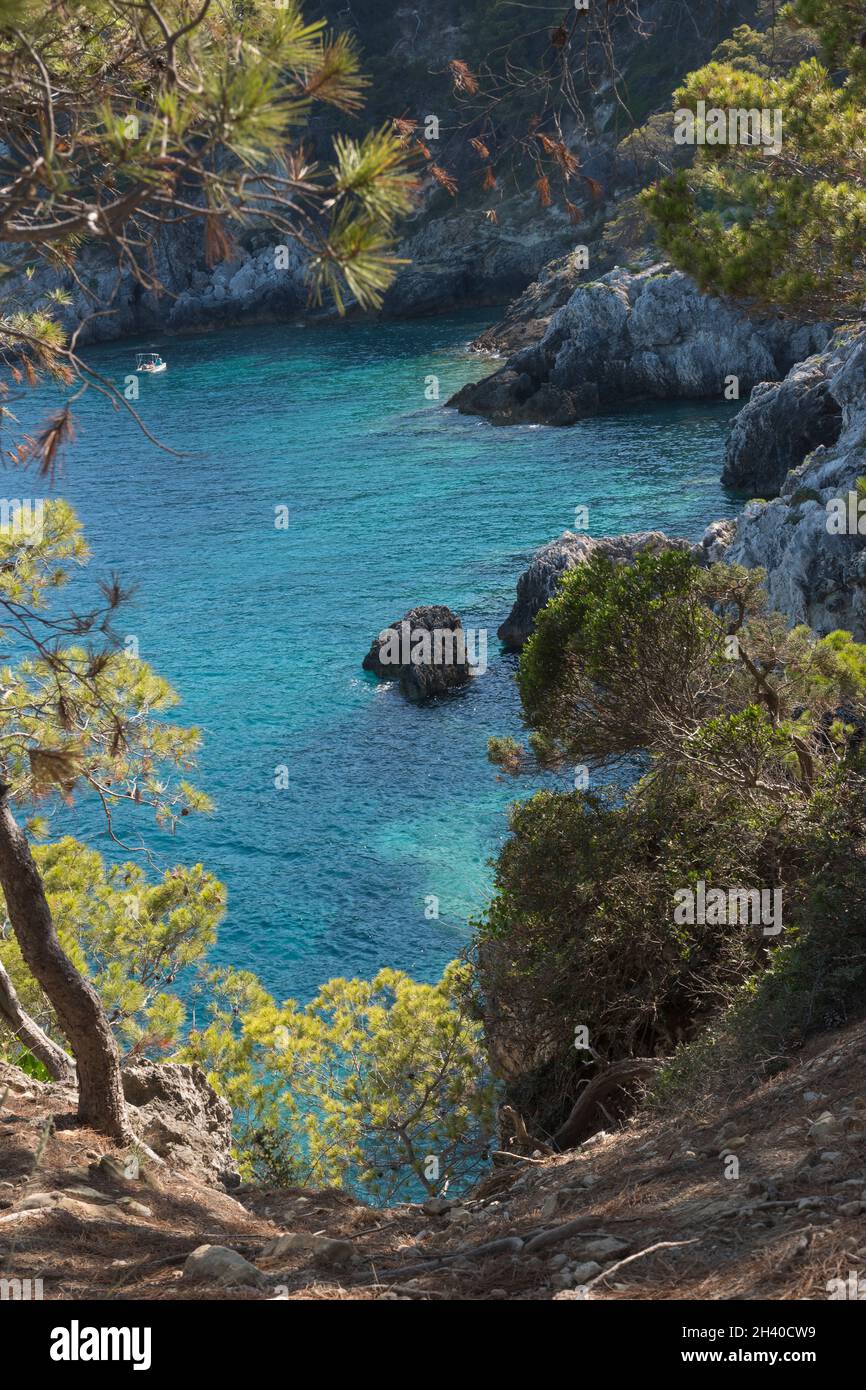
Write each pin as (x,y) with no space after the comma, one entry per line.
(784,226)
(748,736)
(751,737)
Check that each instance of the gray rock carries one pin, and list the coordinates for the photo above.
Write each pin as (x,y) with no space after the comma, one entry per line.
(461,1216)
(425,650)
(134,1208)
(782,423)
(713,546)
(823,1173)
(631,336)
(539,582)
(17,1083)
(825,1127)
(250,288)
(815,576)
(37,1200)
(554,1203)
(180,1116)
(89,1194)
(457,258)
(437,1206)
(218,1264)
(603,1248)
(526,320)
(323,1249)
(119,1169)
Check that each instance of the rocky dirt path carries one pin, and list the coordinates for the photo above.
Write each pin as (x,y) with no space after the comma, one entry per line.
(760,1198)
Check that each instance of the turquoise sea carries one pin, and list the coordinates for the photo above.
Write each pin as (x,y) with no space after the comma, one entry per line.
(393,501)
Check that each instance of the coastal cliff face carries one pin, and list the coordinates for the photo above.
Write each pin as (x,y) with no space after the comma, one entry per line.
(797,443)
(782,423)
(808,539)
(457,254)
(105,305)
(629,336)
(539,582)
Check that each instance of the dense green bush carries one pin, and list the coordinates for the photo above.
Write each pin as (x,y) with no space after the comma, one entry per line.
(782,223)
(751,736)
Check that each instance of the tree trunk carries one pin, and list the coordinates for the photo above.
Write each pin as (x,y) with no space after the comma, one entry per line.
(57,1063)
(80,1014)
(617,1078)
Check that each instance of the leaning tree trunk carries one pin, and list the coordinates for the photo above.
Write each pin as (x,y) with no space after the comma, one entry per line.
(74,1000)
(617,1078)
(58,1064)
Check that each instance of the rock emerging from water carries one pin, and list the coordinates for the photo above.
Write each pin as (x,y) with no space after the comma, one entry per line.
(635,336)
(426,651)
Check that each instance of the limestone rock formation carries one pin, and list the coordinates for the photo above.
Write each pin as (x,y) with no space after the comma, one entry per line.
(538,583)
(181,1117)
(631,336)
(781,423)
(456,253)
(256,285)
(426,651)
(816,572)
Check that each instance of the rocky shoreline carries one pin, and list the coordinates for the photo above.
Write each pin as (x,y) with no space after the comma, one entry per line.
(814,553)
(810,540)
(537,584)
(798,442)
(471,246)
(635,336)
(576,349)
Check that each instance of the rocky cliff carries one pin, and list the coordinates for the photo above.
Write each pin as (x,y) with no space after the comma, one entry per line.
(537,585)
(803,438)
(539,582)
(477,246)
(631,336)
(808,539)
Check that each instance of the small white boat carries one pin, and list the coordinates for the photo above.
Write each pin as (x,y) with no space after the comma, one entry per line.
(150,362)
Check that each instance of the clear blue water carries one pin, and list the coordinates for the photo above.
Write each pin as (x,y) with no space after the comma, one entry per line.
(394,501)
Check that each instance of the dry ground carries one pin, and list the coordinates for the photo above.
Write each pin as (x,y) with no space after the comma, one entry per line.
(646,1212)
